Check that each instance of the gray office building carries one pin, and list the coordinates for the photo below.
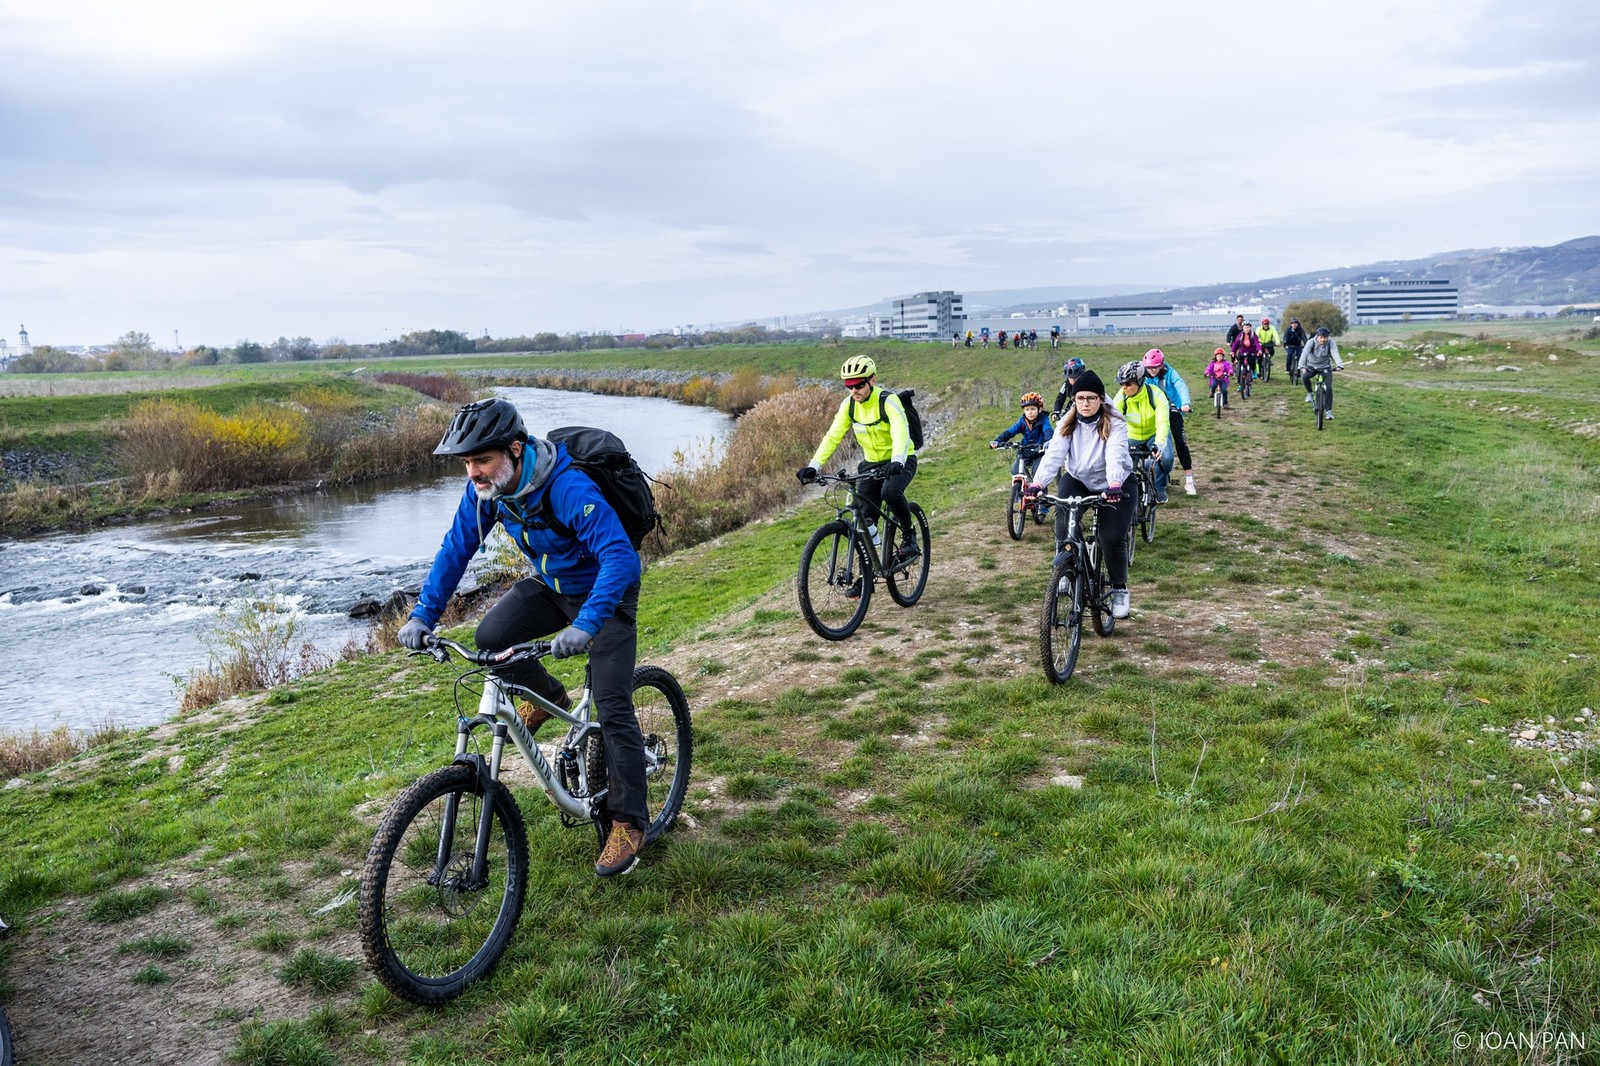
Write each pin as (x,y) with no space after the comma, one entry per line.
(1398,301)
(928,316)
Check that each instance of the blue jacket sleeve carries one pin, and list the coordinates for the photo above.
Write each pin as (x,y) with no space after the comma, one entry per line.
(464,537)
(576,502)
(1181,388)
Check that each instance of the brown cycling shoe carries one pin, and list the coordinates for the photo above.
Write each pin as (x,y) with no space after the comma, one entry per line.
(533,716)
(621,852)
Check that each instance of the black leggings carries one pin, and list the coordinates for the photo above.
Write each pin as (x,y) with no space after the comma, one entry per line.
(531,610)
(1180,442)
(1291,356)
(892,491)
(1115,521)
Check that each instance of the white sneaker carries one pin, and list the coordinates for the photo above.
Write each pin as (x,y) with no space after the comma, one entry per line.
(1188,485)
(1120,603)
(1308,397)
(1327,414)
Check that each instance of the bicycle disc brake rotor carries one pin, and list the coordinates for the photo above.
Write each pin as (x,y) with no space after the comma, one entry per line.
(455,892)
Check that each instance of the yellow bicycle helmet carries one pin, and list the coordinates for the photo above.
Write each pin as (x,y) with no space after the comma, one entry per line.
(1034,399)
(858,366)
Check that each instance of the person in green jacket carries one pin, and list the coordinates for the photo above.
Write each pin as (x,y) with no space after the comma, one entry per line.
(1269,342)
(1149,418)
(878,419)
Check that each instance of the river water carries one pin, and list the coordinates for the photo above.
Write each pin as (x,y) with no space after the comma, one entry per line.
(106,624)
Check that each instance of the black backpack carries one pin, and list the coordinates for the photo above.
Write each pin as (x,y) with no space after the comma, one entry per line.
(913,419)
(604,457)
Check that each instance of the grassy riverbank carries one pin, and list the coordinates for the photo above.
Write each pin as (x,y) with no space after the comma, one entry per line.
(1285,814)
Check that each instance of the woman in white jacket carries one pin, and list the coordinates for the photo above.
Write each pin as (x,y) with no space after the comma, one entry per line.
(1090,449)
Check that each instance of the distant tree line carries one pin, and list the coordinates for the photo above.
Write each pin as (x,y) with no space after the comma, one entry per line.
(133,350)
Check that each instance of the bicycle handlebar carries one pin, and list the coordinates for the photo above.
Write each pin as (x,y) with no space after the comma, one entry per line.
(1094,500)
(849,479)
(440,648)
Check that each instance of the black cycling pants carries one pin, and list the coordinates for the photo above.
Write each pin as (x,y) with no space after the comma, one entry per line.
(891,491)
(1291,356)
(1115,521)
(532,610)
(1309,376)
(1180,442)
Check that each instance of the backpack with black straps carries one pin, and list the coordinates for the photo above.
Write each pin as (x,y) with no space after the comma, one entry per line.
(913,419)
(603,456)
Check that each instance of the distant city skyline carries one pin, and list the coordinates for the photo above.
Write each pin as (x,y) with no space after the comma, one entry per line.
(361,170)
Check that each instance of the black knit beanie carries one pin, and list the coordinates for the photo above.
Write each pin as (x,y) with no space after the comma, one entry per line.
(1088,381)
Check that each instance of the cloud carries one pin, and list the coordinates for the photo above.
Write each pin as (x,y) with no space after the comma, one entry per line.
(284,168)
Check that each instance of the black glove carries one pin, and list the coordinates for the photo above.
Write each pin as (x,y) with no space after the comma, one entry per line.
(894,469)
(1113,493)
(806,474)
(414,635)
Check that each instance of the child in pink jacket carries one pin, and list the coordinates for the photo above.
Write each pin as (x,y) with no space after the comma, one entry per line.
(1219,372)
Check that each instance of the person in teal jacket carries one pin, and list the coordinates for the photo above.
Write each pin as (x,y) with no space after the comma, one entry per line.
(1148,415)
(1164,376)
(584,589)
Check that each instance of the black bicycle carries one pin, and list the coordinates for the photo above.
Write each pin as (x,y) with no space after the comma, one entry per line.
(1145,502)
(447,873)
(846,557)
(1322,394)
(1246,375)
(1021,505)
(1268,353)
(1079,584)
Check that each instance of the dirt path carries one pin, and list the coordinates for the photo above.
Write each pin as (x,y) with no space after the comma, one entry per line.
(978,618)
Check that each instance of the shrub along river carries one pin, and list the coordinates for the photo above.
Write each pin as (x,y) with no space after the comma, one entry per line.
(108,624)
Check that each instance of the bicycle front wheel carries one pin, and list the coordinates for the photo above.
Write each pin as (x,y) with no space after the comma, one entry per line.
(663,713)
(1321,405)
(1098,592)
(1217,402)
(5,1039)
(1147,515)
(906,582)
(1017,512)
(835,583)
(1061,622)
(430,926)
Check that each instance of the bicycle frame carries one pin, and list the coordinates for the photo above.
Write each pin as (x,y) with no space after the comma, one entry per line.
(853,512)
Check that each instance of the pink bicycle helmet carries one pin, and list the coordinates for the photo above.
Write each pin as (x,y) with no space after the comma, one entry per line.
(1154,358)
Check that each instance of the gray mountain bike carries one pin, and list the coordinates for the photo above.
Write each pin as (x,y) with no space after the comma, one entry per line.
(1079,585)
(445,879)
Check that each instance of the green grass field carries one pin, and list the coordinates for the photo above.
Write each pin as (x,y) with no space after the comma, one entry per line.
(1275,818)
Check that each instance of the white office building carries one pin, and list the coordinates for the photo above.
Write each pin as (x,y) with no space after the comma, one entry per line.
(1398,301)
(928,316)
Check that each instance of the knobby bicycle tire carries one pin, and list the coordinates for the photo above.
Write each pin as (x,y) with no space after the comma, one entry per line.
(832,560)
(1216,401)
(663,713)
(897,577)
(1320,404)
(1017,512)
(1061,621)
(1147,516)
(1097,595)
(428,935)
(6,1051)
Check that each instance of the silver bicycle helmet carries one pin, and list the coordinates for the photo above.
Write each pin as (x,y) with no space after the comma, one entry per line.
(1130,373)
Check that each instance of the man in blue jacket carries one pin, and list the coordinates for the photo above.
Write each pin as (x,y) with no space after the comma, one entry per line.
(585,589)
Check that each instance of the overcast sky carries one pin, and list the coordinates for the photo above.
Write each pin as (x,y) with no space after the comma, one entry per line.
(359,169)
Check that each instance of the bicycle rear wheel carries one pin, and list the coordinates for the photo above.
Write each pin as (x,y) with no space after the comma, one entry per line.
(1061,621)
(1320,405)
(833,564)
(428,929)
(907,582)
(1017,512)
(663,713)
(5,1039)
